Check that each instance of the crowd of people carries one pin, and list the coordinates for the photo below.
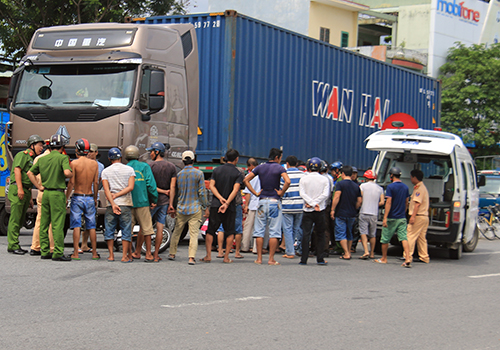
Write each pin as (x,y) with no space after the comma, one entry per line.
(301,210)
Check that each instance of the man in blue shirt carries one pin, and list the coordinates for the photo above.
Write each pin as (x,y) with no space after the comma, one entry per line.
(397,195)
(269,211)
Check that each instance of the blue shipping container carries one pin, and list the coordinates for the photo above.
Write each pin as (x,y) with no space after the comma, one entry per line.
(262,86)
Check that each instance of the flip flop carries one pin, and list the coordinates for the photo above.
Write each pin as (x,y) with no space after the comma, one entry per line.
(286,256)
(407,265)
(149,260)
(171,257)
(85,251)
(378,261)
(344,258)
(205,260)
(111,260)
(220,257)
(127,261)
(75,258)
(228,262)
(239,257)
(133,257)
(191,262)
(258,263)
(98,257)
(364,257)
(273,263)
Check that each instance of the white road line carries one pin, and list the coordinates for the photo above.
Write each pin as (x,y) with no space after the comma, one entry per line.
(484,253)
(481,276)
(215,302)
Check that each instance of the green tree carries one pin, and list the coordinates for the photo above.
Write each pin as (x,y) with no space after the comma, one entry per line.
(470,100)
(20,18)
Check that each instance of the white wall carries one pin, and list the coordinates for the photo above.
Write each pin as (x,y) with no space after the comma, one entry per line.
(414,26)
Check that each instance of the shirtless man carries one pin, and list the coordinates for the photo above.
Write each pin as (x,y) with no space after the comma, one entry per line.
(83,201)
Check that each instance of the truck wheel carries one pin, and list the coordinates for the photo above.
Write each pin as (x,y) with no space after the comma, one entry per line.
(455,254)
(471,245)
(4,221)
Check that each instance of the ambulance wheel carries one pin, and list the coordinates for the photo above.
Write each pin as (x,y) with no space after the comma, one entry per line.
(471,245)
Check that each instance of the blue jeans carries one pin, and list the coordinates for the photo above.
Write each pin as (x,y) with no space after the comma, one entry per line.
(292,232)
(113,221)
(343,228)
(82,205)
(268,213)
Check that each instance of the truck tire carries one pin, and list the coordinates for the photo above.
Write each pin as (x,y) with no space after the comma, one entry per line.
(455,254)
(4,220)
(471,245)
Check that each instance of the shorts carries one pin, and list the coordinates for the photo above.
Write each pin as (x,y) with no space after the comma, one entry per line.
(238,223)
(123,221)
(368,225)
(397,226)
(227,220)
(268,214)
(343,228)
(161,213)
(85,206)
(142,216)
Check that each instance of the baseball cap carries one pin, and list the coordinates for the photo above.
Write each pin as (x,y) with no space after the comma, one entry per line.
(187,154)
(93,147)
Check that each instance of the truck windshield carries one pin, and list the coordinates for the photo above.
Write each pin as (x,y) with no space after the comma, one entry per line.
(97,85)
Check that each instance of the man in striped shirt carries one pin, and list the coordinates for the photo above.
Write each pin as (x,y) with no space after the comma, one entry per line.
(192,203)
(292,209)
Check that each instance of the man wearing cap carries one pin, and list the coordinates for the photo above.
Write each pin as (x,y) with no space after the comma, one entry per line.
(165,176)
(190,207)
(373,198)
(35,240)
(118,181)
(345,204)
(84,199)
(397,194)
(419,216)
(143,195)
(54,169)
(93,154)
(20,192)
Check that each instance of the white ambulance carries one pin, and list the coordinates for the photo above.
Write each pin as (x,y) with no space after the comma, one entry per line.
(449,175)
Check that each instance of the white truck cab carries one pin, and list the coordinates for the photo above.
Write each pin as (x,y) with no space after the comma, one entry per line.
(449,175)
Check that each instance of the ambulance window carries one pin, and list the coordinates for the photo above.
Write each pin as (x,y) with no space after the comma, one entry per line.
(472,177)
(464,177)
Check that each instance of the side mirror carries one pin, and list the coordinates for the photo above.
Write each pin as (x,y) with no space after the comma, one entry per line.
(146,117)
(481,180)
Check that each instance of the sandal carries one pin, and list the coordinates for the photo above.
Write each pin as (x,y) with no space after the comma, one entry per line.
(205,260)
(406,264)
(364,257)
(171,257)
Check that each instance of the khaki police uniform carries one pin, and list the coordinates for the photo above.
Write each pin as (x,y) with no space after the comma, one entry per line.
(417,231)
(51,168)
(18,208)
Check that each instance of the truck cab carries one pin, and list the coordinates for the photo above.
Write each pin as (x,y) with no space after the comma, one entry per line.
(449,175)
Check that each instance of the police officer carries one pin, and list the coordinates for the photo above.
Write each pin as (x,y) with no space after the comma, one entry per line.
(54,168)
(20,194)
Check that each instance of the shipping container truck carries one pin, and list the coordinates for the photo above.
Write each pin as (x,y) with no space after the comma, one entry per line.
(208,83)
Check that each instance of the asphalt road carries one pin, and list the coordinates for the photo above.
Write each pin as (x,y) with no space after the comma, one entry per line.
(355,304)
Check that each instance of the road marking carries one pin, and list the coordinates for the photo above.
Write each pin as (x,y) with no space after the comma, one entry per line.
(481,276)
(484,253)
(215,302)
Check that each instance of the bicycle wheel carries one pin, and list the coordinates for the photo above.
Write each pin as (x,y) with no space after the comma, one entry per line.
(484,227)
(496,227)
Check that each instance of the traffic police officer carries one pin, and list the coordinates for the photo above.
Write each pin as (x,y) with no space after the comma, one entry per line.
(54,168)
(20,195)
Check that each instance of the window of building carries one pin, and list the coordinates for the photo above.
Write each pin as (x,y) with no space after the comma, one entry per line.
(344,39)
(324,34)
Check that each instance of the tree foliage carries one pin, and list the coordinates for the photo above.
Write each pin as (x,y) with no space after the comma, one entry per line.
(20,18)
(470,102)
